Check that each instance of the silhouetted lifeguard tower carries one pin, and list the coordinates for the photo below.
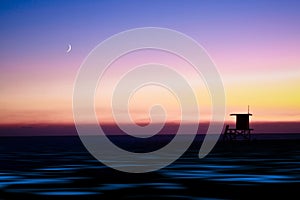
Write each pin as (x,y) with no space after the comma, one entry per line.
(242,127)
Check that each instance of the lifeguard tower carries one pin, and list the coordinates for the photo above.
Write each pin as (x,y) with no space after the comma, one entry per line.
(242,129)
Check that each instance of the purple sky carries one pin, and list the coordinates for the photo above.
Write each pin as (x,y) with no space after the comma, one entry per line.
(254,44)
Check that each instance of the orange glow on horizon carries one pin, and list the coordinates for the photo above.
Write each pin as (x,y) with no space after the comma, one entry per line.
(269,99)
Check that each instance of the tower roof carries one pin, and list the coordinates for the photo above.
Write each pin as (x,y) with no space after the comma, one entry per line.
(236,114)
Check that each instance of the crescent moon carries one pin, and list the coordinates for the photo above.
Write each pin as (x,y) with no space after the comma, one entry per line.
(69,48)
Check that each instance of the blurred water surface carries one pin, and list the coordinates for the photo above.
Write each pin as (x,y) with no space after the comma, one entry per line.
(60,167)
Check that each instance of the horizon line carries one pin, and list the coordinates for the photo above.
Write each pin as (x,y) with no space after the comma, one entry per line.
(142,123)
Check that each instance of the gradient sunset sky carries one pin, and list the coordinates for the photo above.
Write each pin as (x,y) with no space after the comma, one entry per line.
(254,44)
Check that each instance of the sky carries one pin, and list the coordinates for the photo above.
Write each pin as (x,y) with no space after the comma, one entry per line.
(255,46)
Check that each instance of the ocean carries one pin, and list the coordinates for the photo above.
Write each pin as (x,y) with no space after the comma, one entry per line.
(59,167)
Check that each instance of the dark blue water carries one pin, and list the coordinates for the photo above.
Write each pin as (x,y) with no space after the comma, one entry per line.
(60,167)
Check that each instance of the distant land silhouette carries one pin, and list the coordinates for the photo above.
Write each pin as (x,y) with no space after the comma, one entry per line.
(112,129)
